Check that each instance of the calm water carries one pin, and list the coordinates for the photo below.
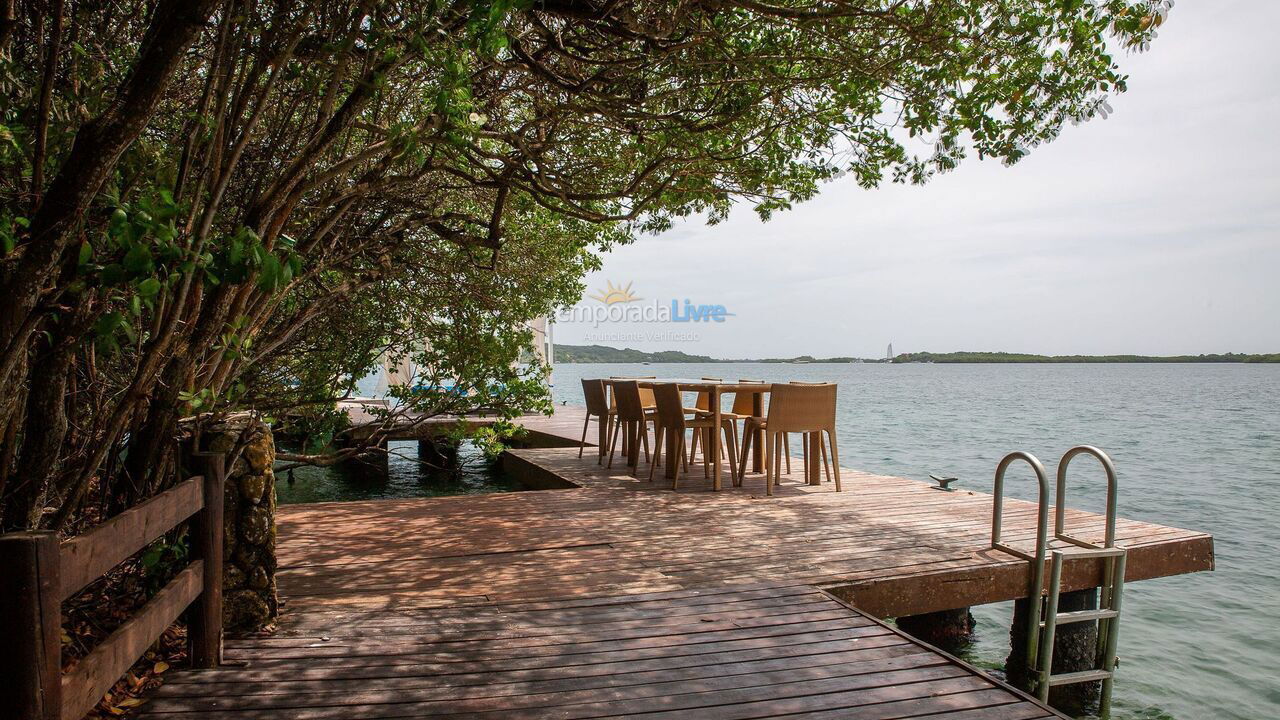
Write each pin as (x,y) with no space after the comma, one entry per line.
(403,476)
(1195,446)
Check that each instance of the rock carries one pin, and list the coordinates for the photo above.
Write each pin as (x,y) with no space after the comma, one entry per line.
(245,609)
(222,442)
(256,526)
(232,577)
(259,454)
(252,487)
(258,578)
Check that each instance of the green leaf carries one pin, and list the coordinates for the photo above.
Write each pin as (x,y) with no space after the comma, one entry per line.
(139,261)
(149,287)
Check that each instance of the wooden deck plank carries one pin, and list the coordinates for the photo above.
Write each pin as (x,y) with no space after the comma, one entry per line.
(757,652)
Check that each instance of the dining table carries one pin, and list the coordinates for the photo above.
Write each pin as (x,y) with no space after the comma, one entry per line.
(714,390)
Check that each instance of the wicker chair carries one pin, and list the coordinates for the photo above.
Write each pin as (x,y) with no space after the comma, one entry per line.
(802,409)
(672,419)
(598,407)
(744,409)
(632,419)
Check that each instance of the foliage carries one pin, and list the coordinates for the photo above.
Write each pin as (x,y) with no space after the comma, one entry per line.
(208,205)
(492,440)
(162,560)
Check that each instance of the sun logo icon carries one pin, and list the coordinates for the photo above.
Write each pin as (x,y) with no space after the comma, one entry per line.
(615,294)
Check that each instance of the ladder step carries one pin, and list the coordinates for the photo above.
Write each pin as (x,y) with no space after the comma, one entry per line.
(1080,551)
(1075,616)
(1078,677)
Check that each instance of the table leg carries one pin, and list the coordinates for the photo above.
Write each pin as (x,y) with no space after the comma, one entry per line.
(757,442)
(713,446)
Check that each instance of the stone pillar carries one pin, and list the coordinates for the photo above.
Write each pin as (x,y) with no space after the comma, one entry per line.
(249,540)
(1074,649)
(948,630)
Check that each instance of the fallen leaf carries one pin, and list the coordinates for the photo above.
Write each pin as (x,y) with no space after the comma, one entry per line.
(131,702)
(160,667)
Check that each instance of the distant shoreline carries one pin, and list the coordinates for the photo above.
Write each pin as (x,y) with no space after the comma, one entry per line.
(574,354)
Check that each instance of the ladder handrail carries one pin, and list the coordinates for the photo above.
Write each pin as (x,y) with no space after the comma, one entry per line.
(1060,501)
(1042,538)
(997,510)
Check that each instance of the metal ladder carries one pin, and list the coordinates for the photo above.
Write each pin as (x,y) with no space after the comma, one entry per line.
(1043,615)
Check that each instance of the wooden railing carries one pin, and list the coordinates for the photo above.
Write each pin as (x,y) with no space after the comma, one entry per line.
(39,572)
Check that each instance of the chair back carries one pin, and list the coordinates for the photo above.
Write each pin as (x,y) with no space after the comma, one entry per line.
(596,397)
(627,394)
(802,408)
(744,402)
(670,406)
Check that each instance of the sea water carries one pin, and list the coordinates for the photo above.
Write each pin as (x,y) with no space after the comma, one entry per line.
(1196,446)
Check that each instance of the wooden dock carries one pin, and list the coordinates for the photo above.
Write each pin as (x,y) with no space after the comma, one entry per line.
(616,597)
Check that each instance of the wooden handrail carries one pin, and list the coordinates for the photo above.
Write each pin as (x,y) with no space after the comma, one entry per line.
(87,557)
(45,572)
(85,684)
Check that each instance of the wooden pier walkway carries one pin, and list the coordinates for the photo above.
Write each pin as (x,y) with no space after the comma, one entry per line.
(615,597)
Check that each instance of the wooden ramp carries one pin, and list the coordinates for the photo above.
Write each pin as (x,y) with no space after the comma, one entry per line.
(782,651)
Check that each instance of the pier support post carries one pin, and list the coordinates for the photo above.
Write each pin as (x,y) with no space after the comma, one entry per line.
(1074,649)
(438,452)
(949,630)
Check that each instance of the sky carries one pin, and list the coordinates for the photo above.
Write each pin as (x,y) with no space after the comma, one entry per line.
(1155,231)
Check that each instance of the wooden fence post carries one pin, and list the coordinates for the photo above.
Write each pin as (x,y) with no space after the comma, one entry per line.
(31,624)
(206,544)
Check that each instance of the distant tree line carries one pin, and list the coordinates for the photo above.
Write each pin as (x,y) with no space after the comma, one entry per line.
(1001,357)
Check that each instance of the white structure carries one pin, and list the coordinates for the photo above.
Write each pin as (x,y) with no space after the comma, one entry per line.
(542,340)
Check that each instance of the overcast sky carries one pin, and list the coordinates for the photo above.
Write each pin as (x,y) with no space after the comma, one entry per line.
(1155,231)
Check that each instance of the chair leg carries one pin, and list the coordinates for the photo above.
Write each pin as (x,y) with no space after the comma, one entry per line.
(774,467)
(582,444)
(835,458)
(746,450)
(684,457)
(731,439)
(826,464)
(786,447)
(675,479)
(657,451)
(636,429)
(608,432)
(657,442)
(614,429)
(644,441)
(804,453)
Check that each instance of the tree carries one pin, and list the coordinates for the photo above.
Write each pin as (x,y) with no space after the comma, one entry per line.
(208,203)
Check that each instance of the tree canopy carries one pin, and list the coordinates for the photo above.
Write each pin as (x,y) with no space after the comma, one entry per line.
(215,204)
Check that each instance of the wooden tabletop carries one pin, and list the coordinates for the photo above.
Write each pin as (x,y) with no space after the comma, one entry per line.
(693,385)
